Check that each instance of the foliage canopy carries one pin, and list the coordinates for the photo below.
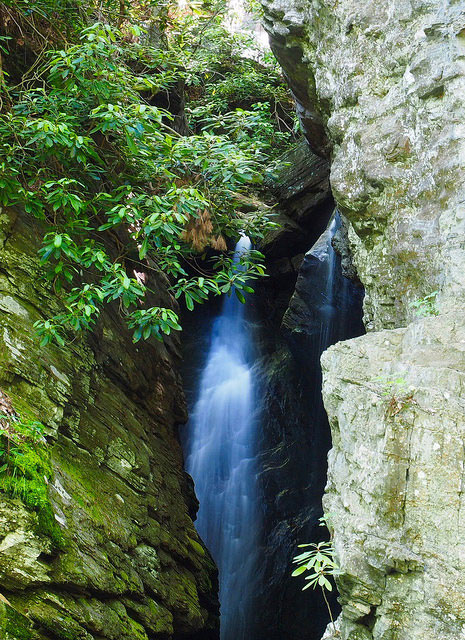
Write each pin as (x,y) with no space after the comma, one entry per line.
(128,193)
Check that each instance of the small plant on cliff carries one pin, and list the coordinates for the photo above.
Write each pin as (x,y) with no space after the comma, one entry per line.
(398,396)
(392,385)
(319,563)
(25,469)
(426,306)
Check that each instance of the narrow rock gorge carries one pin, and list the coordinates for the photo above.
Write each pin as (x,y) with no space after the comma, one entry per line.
(370,214)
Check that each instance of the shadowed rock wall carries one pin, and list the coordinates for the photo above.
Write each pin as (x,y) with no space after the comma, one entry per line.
(294,435)
(303,205)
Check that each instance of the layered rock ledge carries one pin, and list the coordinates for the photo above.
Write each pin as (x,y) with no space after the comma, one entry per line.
(131,564)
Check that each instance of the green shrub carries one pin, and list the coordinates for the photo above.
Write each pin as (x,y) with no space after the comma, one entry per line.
(426,306)
(122,194)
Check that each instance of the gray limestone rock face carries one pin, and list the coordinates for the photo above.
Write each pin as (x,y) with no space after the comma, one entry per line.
(385,81)
(395,491)
(131,565)
(380,87)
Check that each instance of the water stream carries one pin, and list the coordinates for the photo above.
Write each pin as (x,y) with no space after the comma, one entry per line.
(220,456)
(251,519)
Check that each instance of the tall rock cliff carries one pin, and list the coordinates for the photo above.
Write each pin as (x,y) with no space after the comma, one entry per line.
(124,560)
(379,88)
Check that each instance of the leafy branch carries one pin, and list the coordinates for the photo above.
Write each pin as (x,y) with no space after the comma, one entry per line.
(122,194)
(320,565)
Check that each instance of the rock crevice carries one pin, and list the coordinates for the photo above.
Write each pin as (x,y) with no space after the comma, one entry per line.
(385,83)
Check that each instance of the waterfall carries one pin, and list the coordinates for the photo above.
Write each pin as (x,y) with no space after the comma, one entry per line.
(220,456)
(323,251)
(267,420)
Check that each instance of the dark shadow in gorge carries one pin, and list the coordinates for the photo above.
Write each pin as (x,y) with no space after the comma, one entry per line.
(295,438)
(294,435)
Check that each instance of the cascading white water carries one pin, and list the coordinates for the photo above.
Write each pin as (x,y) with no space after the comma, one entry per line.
(323,250)
(220,456)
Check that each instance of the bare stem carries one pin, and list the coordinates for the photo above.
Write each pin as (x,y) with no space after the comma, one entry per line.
(329,611)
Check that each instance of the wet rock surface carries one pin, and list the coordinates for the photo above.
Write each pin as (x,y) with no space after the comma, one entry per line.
(301,188)
(303,205)
(132,565)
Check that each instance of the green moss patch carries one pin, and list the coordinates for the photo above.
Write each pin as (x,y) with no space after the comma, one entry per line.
(25,469)
(13,625)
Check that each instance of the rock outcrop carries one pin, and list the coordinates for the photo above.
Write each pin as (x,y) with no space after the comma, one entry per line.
(302,204)
(380,87)
(387,81)
(130,564)
(395,488)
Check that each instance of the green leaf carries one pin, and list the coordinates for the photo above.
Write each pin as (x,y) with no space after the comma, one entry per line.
(240,296)
(328,585)
(132,147)
(189,303)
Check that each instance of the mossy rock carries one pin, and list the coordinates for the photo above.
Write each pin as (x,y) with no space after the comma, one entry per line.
(14,625)
(114,477)
(25,470)
(360,633)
